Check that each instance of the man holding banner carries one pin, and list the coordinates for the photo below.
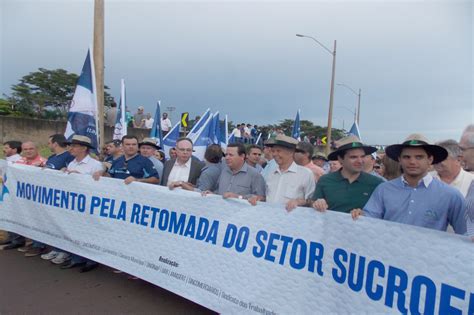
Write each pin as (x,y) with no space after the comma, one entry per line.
(289,183)
(132,166)
(416,197)
(349,188)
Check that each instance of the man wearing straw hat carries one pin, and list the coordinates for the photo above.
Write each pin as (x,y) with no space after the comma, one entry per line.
(83,163)
(147,148)
(417,198)
(289,183)
(350,187)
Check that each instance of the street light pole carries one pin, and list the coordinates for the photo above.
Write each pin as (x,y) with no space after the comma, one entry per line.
(331,95)
(358,98)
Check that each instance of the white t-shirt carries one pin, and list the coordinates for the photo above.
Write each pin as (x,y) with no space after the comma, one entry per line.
(149,123)
(13,158)
(165,124)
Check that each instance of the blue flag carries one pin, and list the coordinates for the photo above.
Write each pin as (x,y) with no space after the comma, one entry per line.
(197,126)
(156,129)
(296,127)
(215,131)
(169,141)
(82,115)
(355,130)
(202,139)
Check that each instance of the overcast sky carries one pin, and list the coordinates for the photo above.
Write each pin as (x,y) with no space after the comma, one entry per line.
(412,59)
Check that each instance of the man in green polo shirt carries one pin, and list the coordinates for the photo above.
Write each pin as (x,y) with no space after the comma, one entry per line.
(349,188)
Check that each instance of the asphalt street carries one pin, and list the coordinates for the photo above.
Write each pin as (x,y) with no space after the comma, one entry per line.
(35,286)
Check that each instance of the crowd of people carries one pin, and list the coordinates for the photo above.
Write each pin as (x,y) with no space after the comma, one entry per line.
(138,120)
(414,182)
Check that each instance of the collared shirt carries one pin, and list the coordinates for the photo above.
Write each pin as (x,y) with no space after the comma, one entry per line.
(137,166)
(246,182)
(209,178)
(431,204)
(37,161)
(180,172)
(59,161)
(470,210)
(342,196)
(258,167)
(316,170)
(87,166)
(158,165)
(13,158)
(462,182)
(297,182)
(269,168)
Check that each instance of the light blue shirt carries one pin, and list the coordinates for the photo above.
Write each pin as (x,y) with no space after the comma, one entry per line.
(432,204)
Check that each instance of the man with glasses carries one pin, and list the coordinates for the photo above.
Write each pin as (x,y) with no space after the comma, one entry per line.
(183,169)
(467,146)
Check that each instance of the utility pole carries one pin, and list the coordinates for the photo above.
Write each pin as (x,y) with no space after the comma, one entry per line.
(99,65)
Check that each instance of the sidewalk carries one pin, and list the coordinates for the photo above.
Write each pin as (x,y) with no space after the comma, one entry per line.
(34,286)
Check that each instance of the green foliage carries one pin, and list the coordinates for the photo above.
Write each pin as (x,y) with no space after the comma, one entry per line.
(46,94)
(5,107)
(306,126)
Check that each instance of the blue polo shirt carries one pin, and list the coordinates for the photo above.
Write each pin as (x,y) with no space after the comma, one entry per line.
(137,166)
(432,204)
(59,161)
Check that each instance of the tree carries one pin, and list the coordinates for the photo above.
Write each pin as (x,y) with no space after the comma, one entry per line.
(45,91)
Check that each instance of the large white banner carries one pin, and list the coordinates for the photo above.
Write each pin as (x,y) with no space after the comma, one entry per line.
(232,257)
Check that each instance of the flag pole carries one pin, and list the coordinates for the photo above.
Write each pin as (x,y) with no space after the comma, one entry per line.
(99,66)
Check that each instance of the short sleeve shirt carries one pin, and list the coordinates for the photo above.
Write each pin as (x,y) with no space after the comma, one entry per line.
(343,196)
(137,166)
(246,182)
(59,161)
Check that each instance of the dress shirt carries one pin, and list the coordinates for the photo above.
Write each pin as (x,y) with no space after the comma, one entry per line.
(462,182)
(246,182)
(431,204)
(87,166)
(180,172)
(297,182)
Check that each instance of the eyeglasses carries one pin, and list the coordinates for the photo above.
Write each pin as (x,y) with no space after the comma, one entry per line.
(184,150)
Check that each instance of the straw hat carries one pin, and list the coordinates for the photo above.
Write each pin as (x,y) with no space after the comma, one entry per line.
(81,140)
(284,141)
(349,143)
(417,140)
(149,141)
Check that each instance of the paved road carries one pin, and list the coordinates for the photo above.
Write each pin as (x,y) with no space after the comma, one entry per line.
(35,286)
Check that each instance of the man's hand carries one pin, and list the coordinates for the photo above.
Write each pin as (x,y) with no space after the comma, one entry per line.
(174,185)
(206,192)
(290,205)
(230,195)
(253,200)
(356,213)
(97,175)
(321,205)
(129,179)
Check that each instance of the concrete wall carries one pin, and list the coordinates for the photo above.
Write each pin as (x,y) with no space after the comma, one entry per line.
(38,130)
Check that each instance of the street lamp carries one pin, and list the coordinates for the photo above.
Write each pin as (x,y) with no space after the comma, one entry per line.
(353,112)
(331,95)
(358,97)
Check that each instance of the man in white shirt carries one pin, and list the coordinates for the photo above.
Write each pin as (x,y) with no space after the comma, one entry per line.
(183,169)
(165,124)
(289,184)
(12,150)
(450,170)
(83,163)
(149,121)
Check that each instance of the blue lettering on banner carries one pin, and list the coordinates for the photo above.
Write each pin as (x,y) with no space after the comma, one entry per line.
(198,228)
(276,247)
(422,298)
(50,196)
